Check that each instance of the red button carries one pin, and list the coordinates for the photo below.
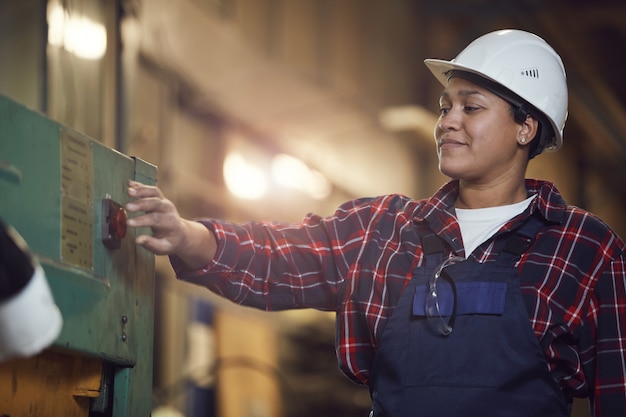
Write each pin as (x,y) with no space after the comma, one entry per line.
(118,223)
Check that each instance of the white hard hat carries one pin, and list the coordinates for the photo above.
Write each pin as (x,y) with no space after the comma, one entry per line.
(521,62)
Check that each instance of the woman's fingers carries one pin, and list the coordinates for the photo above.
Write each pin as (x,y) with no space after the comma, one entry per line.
(159,214)
(139,190)
(158,246)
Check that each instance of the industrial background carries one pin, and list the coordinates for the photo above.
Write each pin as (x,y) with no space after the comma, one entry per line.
(269,109)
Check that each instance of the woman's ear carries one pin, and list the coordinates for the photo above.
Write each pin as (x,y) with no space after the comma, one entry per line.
(528,130)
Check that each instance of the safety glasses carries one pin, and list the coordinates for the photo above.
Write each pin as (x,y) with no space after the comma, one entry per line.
(439,322)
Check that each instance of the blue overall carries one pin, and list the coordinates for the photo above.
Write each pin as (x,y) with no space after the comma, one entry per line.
(491,364)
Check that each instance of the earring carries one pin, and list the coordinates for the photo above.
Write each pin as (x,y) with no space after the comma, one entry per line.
(523,140)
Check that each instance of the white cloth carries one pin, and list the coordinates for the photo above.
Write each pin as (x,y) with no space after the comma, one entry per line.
(29,321)
(478,225)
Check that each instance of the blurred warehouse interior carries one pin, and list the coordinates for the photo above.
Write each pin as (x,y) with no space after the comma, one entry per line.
(269,109)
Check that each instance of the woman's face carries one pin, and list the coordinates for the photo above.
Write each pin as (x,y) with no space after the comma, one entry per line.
(477,137)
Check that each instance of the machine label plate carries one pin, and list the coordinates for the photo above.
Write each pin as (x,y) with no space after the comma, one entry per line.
(77,202)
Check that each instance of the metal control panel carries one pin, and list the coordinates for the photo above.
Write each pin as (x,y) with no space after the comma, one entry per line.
(64,193)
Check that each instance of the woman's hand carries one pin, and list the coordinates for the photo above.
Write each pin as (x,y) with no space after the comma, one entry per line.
(171,234)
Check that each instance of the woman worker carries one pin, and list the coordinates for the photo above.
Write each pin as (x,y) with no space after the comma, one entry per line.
(491,298)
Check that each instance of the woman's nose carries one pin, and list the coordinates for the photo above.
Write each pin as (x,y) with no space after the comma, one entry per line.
(449,120)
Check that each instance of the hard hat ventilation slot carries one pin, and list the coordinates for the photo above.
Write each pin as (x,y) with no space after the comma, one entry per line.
(532,72)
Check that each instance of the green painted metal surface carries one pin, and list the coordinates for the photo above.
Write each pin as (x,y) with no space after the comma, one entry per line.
(52,182)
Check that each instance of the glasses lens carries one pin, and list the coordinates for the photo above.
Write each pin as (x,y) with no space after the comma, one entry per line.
(438,321)
(435,319)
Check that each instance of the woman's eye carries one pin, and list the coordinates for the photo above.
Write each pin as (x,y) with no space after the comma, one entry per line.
(444,110)
(470,108)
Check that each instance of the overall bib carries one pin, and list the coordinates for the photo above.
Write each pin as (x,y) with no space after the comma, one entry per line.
(491,364)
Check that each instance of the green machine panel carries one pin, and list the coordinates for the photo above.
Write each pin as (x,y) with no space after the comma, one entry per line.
(64,193)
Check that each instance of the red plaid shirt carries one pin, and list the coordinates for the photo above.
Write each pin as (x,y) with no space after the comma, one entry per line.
(358,261)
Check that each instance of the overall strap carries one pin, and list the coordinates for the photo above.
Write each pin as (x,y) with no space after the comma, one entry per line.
(521,239)
(434,248)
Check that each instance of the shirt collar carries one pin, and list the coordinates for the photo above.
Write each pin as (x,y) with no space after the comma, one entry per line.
(549,203)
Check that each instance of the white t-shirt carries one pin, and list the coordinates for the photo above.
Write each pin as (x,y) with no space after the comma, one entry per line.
(478,225)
